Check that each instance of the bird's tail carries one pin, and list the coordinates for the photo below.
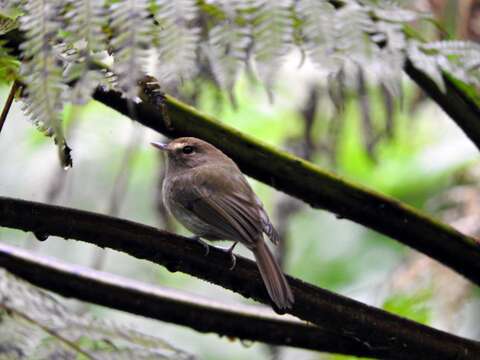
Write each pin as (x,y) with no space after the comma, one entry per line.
(275,282)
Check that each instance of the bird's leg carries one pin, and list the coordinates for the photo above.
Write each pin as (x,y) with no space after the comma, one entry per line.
(229,251)
(198,239)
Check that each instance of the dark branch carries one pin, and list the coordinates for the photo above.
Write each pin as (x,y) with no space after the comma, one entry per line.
(239,321)
(315,186)
(377,332)
(318,187)
(453,101)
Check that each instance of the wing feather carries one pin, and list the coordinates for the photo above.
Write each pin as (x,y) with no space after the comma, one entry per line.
(227,204)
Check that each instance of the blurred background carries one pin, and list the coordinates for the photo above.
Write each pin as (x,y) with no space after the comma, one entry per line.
(405,147)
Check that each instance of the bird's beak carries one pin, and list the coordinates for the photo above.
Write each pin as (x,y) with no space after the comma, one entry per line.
(159,145)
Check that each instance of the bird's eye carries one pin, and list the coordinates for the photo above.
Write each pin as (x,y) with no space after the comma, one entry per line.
(187,149)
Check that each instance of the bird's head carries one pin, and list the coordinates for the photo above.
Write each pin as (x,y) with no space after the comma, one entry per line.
(189,152)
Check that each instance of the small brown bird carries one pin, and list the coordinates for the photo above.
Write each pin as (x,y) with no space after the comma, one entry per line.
(206,191)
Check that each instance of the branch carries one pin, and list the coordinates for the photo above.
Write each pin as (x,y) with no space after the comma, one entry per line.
(455,102)
(313,185)
(377,332)
(239,321)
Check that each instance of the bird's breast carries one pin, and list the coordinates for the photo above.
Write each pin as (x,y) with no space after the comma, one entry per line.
(178,200)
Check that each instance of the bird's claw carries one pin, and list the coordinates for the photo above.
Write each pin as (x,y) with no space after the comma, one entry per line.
(229,251)
(234,261)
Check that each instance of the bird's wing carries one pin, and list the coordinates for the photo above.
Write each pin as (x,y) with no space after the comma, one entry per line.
(227,203)
(267,226)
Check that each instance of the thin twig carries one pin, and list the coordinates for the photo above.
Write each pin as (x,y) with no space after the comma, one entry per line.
(8,103)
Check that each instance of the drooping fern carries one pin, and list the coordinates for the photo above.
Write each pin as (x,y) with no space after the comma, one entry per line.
(178,40)
(67,43)
(226,47)
(86,20)
(132,26)
(34,325)
(42,70)
(272,37)
(318,39)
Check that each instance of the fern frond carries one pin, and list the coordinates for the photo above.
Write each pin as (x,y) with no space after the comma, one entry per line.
(393,12)
(226,48)
(317,23)
(132,38)
(388,62)
(178,40)
(454,47)
(86,18)
(426,63)
(37,326)
(351,29)
(272,36)
(7,24)
(42,70)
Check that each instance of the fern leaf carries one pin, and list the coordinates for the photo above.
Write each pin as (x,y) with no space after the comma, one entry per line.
(86,18)
(42,70)
(226,48)
(454,47)
(35,325)
(178,39)
(272,37)
(392,12)
(132,29)
(387,65)
(426,63)
(463,59)
(317,19)
(352,27)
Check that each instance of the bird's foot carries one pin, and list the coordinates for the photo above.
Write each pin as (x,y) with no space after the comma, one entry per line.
(229,251)
(202,242)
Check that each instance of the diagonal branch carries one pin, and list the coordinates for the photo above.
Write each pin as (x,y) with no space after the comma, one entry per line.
(382,334)
(455,102)
(313,185)
(239,321)
(316,186)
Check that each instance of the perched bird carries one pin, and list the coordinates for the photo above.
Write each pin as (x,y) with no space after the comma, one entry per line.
(206,192)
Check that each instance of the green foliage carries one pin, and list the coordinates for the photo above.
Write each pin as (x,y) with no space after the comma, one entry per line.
(34,325)
(9,65)
(414,306)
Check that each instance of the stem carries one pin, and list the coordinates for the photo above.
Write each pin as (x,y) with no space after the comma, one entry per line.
(8,103)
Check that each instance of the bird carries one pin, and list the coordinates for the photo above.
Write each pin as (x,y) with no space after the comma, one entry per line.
(208,194)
